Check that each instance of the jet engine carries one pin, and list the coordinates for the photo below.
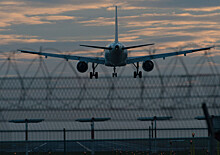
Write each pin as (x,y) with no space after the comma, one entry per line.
(82,66)
(148,65)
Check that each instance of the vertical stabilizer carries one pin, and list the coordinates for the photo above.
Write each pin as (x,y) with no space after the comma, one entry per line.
(116,25)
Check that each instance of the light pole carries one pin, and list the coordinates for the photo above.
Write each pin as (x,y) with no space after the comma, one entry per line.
(26,121)
(154,119)
(93,120)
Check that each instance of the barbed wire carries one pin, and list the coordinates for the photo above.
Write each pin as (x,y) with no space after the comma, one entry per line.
(31,83)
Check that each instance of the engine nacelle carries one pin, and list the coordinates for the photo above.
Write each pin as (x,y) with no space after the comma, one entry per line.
(82,66)
(148,65)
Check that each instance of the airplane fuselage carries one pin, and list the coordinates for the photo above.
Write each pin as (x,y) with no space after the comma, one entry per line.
(116,56)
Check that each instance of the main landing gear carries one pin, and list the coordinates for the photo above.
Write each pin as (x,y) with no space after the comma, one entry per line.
(114,74)
(93,73)
(137,73)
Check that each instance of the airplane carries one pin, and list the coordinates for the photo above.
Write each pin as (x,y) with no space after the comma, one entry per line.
(116,55)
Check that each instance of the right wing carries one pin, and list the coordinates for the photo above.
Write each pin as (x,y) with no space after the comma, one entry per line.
(68,57)
(136,46)
(131,60)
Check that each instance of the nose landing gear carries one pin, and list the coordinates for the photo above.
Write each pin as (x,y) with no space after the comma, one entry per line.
(137,73)
(114,74)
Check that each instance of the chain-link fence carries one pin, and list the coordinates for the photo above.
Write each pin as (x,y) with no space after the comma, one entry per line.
(54,91)
(120,141)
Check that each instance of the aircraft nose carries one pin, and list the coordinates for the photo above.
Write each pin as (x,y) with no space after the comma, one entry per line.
(116,47)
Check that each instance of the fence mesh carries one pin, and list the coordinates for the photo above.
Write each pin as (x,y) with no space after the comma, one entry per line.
(53,90)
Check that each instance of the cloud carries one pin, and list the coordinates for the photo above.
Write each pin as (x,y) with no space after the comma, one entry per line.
(173,14)
(11,3)
(51,9)
(13,12)
(139,21)
(205,9)
(100,21)
(7,19)
(197,16)
(12,38)
(54,18)
(123,6)
(149,19)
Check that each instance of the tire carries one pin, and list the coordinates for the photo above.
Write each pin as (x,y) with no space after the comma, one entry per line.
(135,74)
(91,75)
(96,75)
(140,74)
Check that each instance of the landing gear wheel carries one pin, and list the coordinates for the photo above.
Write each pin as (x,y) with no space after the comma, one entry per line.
(114,74)
(137,73)
(140,74)
(93,73)
(96,75)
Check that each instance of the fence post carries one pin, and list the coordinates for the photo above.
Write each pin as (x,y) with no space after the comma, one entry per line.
(26,136)
(191,147)
(218,148)
(171,149)
(149,140)
(193,143)
(64,140)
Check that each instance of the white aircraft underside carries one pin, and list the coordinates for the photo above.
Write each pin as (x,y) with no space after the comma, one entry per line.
(116,55)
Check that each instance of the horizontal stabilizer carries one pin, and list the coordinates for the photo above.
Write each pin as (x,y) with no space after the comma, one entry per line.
(100,47)
(137,46)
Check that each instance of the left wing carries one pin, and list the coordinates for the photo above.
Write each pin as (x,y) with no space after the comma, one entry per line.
(131,60)
(100,47)
(68,57)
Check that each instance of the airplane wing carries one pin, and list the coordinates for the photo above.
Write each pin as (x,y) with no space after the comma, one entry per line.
(136,46)
(131,60)
(68,57)
(100,47)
